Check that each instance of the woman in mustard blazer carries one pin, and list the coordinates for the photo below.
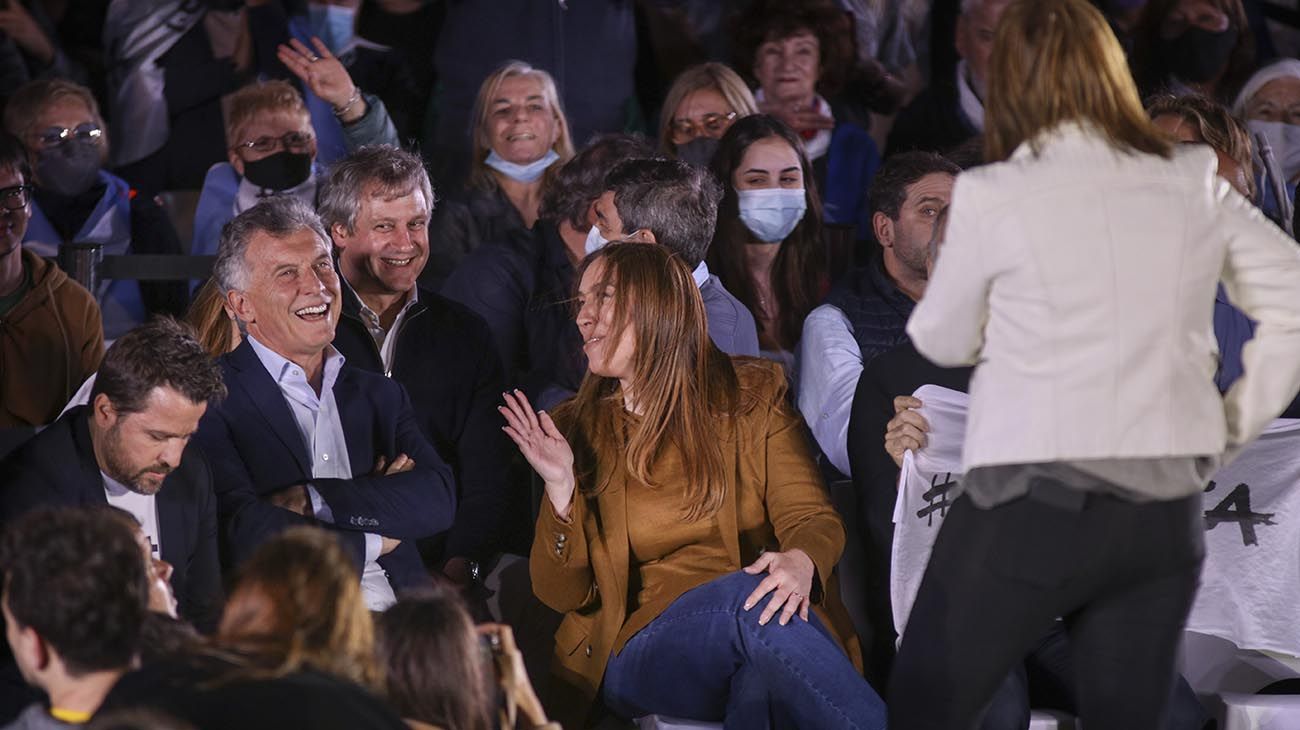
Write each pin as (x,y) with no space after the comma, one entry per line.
(685,534)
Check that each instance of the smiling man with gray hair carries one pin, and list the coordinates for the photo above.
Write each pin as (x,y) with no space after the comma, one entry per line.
(303,438)
(376,205)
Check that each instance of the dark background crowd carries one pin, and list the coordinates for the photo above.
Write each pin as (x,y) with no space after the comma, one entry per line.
(267,268)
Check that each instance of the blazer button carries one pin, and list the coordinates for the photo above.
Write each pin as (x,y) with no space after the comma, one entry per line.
(588,649)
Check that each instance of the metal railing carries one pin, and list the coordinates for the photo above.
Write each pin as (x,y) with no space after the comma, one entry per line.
(86,263)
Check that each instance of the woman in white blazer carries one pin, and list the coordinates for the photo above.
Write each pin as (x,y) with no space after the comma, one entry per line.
(1078,276)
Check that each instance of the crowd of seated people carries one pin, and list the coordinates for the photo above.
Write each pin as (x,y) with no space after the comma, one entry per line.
(617,291)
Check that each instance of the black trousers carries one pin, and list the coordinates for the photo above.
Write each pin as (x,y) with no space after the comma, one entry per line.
(1121,574)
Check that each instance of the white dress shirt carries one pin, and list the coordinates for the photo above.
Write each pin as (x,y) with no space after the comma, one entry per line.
(386,339)
(830,363)
(321,427)
(143,507)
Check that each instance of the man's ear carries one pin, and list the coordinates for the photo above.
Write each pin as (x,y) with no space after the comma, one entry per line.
(103,411)
(35,652)
(339,233)
(641,235)
(883,227)
(241,306)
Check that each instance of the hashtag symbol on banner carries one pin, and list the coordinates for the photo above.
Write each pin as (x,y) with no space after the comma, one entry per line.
(938,491)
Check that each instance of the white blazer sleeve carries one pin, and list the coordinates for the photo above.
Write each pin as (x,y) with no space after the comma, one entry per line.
(947,325)
(1261,274)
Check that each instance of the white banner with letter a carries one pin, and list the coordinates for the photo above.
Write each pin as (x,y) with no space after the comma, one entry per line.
(1250,582)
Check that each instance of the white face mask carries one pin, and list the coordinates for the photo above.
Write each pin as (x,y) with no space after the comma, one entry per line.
(772,213)
(595,241)
(521,173)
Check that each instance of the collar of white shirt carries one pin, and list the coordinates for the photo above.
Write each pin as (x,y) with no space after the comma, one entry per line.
(701,274)
(288,373)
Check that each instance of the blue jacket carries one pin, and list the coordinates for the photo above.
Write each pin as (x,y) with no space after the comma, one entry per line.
(851,164)
(255,449)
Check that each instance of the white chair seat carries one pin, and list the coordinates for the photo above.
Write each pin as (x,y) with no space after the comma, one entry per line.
(1051,720)
(1260,712)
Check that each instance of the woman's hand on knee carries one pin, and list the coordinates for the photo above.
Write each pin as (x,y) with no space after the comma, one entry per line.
(789,580)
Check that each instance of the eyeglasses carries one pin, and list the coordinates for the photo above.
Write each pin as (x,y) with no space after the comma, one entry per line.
(711,125)
(55,136)
(16,197)
(297,141)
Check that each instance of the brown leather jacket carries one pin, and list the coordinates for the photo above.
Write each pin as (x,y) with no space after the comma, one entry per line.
(776,501)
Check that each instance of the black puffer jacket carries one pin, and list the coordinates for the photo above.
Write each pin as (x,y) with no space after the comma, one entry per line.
(874,306)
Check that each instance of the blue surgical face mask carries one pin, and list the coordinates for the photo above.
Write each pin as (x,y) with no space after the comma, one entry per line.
(1285,140)
(595,241)
(333,24)
(521,173)
(772,213)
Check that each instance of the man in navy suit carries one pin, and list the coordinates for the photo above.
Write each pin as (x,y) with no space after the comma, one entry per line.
(130,448)
(303,438)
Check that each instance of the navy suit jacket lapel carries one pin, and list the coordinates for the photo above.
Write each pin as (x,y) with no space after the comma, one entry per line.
(357,429)
(269,401)
(172,522)
(89,481)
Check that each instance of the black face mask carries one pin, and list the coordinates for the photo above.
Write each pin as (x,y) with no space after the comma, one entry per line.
(280,171)
(1198,55)
(68,169)
(698,152)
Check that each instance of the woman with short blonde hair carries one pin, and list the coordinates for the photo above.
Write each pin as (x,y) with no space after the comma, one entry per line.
(701,104)
(520,138)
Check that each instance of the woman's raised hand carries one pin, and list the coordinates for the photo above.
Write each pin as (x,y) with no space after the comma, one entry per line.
(543,446)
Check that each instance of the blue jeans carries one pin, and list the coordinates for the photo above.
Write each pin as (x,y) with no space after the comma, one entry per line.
(706,658)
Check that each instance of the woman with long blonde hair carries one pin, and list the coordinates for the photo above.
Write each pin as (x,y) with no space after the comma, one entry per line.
(1078,275)
(686,534)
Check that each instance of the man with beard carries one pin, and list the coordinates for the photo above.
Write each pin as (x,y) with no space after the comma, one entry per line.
(130,448)
(376,205)
(865,313)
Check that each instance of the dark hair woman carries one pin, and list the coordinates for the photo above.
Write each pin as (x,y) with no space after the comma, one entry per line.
(1205,46)
(680,495)
(768,248)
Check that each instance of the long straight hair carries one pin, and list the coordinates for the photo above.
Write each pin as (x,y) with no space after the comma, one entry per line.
(681,383)
(1056,61)
(799,272)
